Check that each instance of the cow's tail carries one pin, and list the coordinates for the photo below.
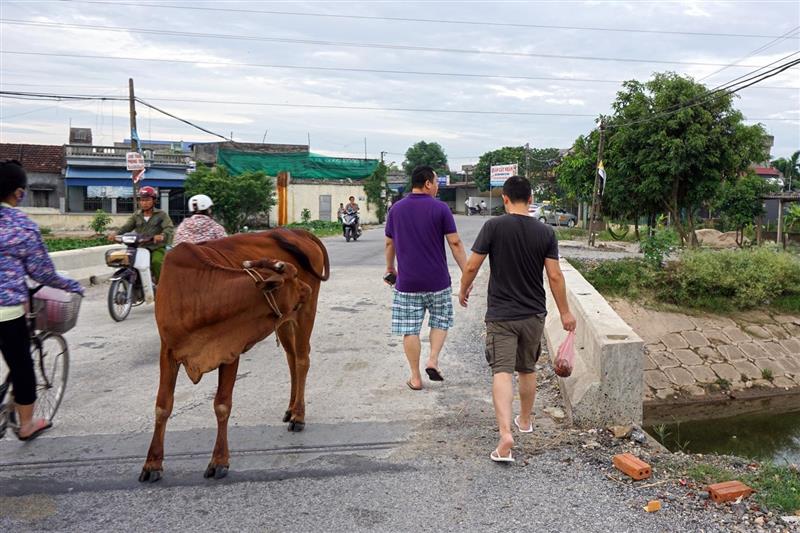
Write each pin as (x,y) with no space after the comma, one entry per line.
(301,257)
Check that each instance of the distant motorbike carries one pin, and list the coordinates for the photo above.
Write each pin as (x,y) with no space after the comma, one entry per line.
(350,225)
(132,283)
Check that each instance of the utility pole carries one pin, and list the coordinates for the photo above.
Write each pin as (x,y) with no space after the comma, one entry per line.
(527,166)
(597,199)
(134,138)
(365,147)
(382,154)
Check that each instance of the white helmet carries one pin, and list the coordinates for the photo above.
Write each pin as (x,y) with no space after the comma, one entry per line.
(199,202)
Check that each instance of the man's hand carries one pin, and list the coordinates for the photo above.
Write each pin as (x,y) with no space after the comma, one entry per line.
(568,321)
(112,236)
(389,271)
(158,238)
(463,296)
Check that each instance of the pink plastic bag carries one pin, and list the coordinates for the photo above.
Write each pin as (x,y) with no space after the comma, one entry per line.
(565,358)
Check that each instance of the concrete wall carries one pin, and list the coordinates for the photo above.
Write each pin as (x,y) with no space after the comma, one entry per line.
(51,218)
(605,387)
(307,196)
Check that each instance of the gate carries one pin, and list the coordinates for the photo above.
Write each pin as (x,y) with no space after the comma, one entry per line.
(325,207)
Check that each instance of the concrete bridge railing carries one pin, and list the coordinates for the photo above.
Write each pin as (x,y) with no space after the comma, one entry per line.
(605,387)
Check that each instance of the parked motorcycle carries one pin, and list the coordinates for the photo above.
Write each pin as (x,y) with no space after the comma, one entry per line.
(350,225)
(132,283)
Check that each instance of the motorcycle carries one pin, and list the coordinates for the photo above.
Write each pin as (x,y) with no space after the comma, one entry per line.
(350,225)
(132,283)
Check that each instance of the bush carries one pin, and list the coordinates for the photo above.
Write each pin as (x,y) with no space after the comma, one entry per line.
(659,245)
(73,243)
(745,278)
(624,277)
(44,230)
(305,215)
(100,221)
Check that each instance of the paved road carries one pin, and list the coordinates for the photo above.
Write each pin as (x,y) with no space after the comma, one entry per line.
(374,456)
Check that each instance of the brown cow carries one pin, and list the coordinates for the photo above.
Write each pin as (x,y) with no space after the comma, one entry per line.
(217,300)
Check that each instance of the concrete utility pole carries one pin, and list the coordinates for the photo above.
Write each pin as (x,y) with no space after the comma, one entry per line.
(134,137)
(597,199)
(527,166)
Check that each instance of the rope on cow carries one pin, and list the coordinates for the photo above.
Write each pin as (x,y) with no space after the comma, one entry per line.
(256,275)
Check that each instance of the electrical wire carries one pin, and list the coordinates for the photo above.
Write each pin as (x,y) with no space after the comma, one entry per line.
(384,46)
(788,35)
(482,24)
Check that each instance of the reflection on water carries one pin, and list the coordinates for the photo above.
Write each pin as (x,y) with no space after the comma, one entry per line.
(762,437)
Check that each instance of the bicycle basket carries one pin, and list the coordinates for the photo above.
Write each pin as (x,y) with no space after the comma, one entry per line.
(57,310)
(117,258)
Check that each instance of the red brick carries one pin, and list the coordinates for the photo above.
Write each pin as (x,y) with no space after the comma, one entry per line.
(729,491)
(632,466)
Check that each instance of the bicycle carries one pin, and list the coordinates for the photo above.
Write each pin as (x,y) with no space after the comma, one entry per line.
(49,315)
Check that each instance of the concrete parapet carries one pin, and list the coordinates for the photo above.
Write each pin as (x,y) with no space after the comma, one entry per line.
(86,265)
(605,387)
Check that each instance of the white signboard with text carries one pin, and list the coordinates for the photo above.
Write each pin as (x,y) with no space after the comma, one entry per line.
(134,160)
(498,174)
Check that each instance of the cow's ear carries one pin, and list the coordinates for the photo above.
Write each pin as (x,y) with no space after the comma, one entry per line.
(271,283)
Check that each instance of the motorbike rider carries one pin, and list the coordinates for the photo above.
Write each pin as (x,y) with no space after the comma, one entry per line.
(352,207)
(150,222)
(199,227)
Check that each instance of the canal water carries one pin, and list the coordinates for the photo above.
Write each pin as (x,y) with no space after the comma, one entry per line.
(761,437)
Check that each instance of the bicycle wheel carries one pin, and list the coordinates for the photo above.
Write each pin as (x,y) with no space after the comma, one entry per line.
(51,364)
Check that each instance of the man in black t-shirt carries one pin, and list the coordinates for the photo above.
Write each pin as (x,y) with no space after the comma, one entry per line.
(519,249)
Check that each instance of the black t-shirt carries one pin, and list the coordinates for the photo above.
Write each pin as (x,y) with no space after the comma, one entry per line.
(517,246)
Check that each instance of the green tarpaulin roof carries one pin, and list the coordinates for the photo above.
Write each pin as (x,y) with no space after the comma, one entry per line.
(304,165)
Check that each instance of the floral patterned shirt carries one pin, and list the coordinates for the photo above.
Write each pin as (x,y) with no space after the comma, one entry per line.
(23,253)
(198,228)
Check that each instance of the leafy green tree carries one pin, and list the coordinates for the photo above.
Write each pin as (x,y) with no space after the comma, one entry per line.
(100,221)
(236,198)
(537,165)
(425,153)
(576,172)
(790,168)
(739,202)
(376,188)
(674,145)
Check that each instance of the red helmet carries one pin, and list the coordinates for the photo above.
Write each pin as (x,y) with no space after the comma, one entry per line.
(148,192)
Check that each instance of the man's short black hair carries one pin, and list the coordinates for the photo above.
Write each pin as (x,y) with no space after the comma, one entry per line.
(12,177)
(517,188)
(352,198)
(420,175)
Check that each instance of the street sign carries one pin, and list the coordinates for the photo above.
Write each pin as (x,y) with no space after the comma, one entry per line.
(134,160)
(137,175)
(443,180)
(498,174)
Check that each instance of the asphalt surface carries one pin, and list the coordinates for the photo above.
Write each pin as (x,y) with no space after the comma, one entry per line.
(375,456)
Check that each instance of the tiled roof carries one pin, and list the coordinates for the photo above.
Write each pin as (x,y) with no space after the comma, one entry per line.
(35,157)
(767,171)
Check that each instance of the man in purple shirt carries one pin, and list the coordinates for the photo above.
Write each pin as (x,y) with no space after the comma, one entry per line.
(416,230)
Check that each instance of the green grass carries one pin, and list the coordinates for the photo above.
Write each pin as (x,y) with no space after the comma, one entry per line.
(708,474)
(320,228)
(778,487)
(580,234)
(73,243)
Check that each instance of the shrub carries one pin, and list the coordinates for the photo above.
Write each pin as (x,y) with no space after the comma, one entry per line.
(44,230)
(305,215)
(624,277)
(100,221)
(658,246)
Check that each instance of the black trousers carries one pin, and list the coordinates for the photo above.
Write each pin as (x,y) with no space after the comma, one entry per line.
(15,343)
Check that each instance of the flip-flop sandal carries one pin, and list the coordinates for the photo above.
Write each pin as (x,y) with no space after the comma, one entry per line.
(412,387)
(497,458)
(41,429)
(516,423)
(434,374)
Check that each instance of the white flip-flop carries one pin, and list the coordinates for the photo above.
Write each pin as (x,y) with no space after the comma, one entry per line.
(516,423)
(497,458)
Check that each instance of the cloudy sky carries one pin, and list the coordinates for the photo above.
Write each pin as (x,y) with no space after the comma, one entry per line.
(216,63)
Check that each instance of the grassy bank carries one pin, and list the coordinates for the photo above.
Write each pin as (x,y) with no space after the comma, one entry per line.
(320,228)
(716,281)
(778,487)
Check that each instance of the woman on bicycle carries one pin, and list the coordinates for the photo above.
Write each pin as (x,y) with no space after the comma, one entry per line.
(22,253)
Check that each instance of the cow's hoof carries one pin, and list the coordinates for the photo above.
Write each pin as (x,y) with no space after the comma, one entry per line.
(296,427)
(150,475)
(215,471)
(287,416)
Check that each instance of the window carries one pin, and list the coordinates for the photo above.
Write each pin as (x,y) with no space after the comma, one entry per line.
(40,198)
(124,205)
(92,204)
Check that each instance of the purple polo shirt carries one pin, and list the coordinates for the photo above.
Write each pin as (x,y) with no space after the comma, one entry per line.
(417,225)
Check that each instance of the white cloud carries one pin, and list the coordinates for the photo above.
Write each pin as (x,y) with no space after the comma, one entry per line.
(520,93)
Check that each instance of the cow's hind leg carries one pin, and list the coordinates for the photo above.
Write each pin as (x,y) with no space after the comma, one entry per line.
(153,466)
(220,459)
(302,335)
(286,334)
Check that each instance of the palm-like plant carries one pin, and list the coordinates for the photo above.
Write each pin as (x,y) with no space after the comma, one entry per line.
(789,167)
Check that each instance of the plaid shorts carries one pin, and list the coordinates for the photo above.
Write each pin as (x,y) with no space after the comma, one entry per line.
(408,311)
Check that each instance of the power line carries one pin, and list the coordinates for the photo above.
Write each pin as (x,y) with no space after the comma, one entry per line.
(185,121)
(384,46)
(426,20)
(326,69)
(773,42)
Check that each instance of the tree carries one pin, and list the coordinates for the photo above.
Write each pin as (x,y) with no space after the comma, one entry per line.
(790,168)
(236,198)
(425,153)
(376,189)
(739,202)
(536,164)
(576,172)
(673,145)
